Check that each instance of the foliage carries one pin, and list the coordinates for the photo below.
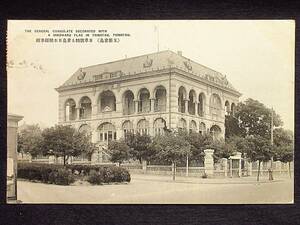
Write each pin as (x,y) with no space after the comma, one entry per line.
(283,137)
(232,127)
(64,175)
(66,141)
(255,119)
(141,147)
(30,140)
(198,143)
(251,118)
(61,177)
(119,151)
(172,146)
(259,148)
(53,174)
(108,175)
(222,149)
(284,153)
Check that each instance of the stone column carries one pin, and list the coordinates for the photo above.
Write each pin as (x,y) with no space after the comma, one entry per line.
(152,101)
(209,162)
(136,106)
(94,111)
(196,108)
(186,104)
(77,113)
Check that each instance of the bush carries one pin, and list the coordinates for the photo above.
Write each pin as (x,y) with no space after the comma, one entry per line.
(95,177)
(108,175)
(46,173)
(61,177)
(58,174)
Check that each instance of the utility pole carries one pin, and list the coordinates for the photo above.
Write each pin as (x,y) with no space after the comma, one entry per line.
(272,124)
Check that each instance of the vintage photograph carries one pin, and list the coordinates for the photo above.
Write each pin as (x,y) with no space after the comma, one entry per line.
(150,111)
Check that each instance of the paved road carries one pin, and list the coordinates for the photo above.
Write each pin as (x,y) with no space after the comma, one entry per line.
(160,190)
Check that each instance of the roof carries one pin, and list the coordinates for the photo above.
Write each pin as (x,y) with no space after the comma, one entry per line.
(144,63)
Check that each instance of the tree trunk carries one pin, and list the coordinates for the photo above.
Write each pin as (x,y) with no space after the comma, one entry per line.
(174,170)
(64,160)
(258,172)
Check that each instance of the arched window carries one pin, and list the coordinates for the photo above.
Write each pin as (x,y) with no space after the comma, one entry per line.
(202,128)
(201,104)
(143,127)
(70,110)
(215,106)
(233,109)
(107,101)
(144,101)
(160,99)
(227,108)
(191,105)
(107,132)
(215,131)
(85,111)
(86,129)
(127,127)
(193,126)
(159,125)
(181,99)
(128,103)
(182,125)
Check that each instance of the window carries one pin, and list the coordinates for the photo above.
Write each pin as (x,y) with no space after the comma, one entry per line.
(159,126)
(143,127)
(107,132)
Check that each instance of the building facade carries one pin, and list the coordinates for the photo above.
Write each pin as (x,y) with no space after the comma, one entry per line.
(146,94)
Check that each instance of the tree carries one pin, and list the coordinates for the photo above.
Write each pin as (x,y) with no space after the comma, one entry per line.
(283,137)
(66,141)
(140,146)
(232,127)
(284,146)
(171,147)
(30,140)
(285,154)
(258,148)
(199,142)
(119,151)
(255,119)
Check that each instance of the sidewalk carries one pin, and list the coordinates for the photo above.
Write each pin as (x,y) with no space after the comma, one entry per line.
(198,180)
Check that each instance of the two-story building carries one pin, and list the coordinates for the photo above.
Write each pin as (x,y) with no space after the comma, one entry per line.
(145,94)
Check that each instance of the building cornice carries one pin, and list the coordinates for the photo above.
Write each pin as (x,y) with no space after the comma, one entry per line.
(150,73)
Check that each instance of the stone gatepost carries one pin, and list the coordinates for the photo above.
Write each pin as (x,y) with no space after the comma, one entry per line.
(209,162)
(12,161)
(224,161)
(144,166)
(250,168)
(51,159)
(237,156)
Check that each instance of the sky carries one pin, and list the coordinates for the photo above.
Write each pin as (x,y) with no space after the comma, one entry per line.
(257,57)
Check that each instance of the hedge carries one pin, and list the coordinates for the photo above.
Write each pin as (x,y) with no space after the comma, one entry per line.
(65,175)
(46,173)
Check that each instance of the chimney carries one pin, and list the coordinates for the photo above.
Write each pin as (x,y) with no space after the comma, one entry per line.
(179,53)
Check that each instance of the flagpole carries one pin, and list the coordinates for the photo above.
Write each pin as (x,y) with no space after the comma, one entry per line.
(157,31)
